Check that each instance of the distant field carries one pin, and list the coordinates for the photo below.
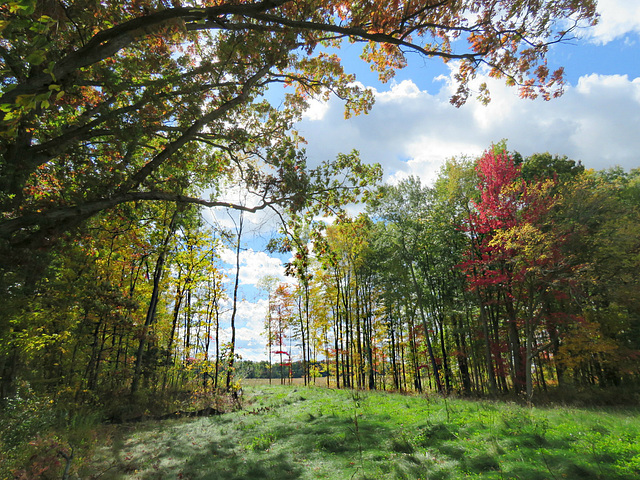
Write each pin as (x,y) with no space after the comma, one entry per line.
(320,382)
(295,432)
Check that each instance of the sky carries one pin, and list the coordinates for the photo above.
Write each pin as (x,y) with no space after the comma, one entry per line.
(412,129)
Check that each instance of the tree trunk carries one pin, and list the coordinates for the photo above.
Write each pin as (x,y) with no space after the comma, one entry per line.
(177,301)
(432,358)
(493,387)
(461,347)
(519,363)
(232,349)
(153,303)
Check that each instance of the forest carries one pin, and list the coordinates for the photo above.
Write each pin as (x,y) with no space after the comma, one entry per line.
(122,123)
(509,275)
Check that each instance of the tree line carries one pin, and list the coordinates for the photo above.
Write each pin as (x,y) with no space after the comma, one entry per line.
(120,121)
(508,275)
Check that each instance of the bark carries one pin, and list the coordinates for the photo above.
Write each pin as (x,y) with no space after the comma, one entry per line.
(519,363)
(392,348)
(434,364)
(232,350)
(461,356)
(493,387)
(153,303)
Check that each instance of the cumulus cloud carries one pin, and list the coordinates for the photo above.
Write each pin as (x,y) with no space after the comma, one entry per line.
(250,329)
(412,132)
(251,315)
(253,265)
(250,340)
(316,110)
(618,18)
(399,92)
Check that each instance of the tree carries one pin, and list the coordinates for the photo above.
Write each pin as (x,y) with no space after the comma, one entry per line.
(296,229)
(269,283)
(540,166)
(515,263)
(406,206)
(601,211)
(103,105)
(453,195)
(281,319)
(197,300)
(232,343)
(150,317)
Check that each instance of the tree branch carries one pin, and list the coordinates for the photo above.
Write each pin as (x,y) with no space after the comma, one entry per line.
(60,216)
(192,131)
(108,42)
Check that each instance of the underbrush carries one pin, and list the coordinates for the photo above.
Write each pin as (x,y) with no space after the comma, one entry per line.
(293,432)
(589,396)
(43,439)
(46,437)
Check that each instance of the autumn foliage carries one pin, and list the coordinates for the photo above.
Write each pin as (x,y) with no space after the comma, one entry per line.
(121,121)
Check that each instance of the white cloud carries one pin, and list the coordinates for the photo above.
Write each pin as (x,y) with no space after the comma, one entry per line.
(250,336)
(250,341)
(399,92)
(252,315)
(618,18)
(426,156)
(316,110)
(412,132)
(253,265)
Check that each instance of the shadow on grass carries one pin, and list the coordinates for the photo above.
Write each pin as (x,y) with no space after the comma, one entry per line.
(291,437)
(333,435)
(232,466)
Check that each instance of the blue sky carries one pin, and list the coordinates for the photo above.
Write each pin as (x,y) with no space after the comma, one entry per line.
(413,129)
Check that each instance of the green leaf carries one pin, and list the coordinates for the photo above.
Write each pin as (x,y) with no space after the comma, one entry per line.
(35,58)
(25,100)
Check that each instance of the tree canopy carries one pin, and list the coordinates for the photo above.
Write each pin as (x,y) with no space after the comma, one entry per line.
(118,120)
(105,104)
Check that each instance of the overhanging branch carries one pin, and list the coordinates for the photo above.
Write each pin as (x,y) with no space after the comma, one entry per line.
(58,218)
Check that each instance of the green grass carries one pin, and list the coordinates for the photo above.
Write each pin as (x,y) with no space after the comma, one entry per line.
(316,433)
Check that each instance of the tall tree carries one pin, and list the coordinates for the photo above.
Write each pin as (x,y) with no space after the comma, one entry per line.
(234,308)
(601,211)
(282,316)
(406,206)
(515,262)
(150,317)
(105,104)
(269,283)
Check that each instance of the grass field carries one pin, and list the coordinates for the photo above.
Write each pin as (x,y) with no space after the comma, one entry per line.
(253,382)
(294,432)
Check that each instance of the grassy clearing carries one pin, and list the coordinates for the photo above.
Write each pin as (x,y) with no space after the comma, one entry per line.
(292,432)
